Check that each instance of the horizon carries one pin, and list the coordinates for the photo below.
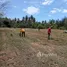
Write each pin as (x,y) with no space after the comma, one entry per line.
(36,19)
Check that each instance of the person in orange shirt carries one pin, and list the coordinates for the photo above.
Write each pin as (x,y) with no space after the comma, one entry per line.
(22,32)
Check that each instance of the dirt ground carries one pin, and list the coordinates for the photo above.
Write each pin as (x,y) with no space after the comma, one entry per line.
(34,50)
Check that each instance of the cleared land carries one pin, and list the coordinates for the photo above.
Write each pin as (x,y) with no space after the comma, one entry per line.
(35,50)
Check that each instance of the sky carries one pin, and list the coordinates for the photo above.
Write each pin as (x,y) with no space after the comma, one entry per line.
(40,9)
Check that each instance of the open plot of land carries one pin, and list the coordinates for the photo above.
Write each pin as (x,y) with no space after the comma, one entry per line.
(35,50)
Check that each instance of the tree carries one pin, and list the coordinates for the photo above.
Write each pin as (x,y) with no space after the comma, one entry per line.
(26,18)
(34,25)
(32,19)
(65,23)
(44,24)
(40,26)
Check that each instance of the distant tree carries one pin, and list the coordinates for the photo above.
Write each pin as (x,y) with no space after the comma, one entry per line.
(40,26)
(32,19)
(15,20)
(65,23)
(26,18)
(35,25)
(6,22)
(44,24)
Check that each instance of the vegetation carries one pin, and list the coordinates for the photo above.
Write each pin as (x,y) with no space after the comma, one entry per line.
(30,22)
(34,50)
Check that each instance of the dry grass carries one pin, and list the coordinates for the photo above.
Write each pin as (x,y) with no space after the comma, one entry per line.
(35,50)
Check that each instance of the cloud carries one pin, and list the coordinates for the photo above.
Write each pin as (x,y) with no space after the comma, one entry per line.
(49,15)
(47,2)
(31,10)
(25,1)
(64,10)
(15,6)
(55,10)
(32,2)
(2,1)
(65,1)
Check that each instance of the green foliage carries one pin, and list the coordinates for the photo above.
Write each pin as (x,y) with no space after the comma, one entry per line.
(40,26)
(30,22)
(34,25)
(62,28)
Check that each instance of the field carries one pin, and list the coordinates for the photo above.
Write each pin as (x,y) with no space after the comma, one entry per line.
(34,50)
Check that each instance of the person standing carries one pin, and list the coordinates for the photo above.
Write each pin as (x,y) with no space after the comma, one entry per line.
(49,32)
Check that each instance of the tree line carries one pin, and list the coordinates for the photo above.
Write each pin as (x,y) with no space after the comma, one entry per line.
(30,22)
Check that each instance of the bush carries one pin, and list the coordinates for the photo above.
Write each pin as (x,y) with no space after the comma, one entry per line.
(62,28)
(40,26)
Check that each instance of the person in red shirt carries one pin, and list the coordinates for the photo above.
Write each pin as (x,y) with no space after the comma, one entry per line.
(49,32)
